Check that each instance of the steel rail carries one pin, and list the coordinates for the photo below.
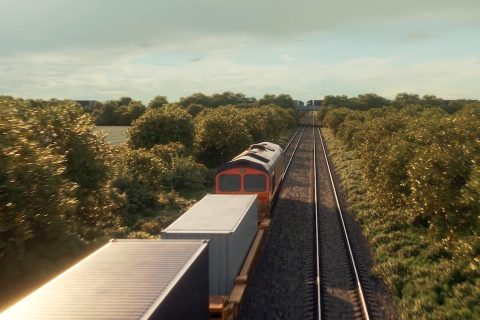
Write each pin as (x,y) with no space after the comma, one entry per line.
(293,154)
(317,239)
(347,240)
(291,140)
(277,192)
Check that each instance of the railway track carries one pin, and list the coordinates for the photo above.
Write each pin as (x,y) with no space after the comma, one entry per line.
(339,288)
(276,287)
(308,268)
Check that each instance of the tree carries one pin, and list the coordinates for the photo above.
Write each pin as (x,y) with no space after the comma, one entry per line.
(69,131)
(231,98)
(430,101)
(125,115)
(285,101)
(371,100)
(120,112)
(37,199)
(335,101)
(35,195)
(220,134)
(196,98)
(217,100)
(104,113)
(282,100)
(335,117)
(144,174)
(405,99)
(194,109)
(161,126)
(158,102)
(124,101)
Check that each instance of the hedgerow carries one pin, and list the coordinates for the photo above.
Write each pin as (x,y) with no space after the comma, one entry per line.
(413,182)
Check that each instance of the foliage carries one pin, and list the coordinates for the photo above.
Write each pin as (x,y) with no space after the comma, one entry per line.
(55,197)
(417,158)
(120,112)
(334,118)
(406,99)
(282,100)
(217,100)
(164,168)
(196,98)
(161,126)
(430,277)
(70,132)
(268,123)
(362,102)
(35,196)
(64,190)
(194,109)
(220,134)
(158,102)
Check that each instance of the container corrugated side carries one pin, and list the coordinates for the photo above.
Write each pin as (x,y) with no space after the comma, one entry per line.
(125,279)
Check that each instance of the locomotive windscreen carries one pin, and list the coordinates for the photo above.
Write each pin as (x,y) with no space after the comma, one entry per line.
(229,182)
(255,182)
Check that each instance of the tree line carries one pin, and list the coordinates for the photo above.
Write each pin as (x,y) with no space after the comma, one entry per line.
(368,101)
(417,156)
(124,111)
(63,188)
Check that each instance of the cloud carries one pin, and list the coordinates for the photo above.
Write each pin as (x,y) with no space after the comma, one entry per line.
(62,75)
(195,59)
(52,24)
(419,35)
(109,48)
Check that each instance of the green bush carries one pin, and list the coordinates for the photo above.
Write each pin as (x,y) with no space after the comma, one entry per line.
(161,126)
(158,102)
(120,112)
(144,174)
(334,118)
(55,197)
(194,109)
(220,134)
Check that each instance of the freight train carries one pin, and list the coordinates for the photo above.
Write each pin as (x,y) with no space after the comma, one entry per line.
(198,270)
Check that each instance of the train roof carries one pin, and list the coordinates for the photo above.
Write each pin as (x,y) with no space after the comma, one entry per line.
(124,279)
(262,156)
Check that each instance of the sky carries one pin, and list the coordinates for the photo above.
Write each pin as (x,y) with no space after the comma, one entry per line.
(105,49)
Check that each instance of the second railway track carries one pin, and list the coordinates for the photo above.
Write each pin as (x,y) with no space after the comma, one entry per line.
(342,289)
(307,269)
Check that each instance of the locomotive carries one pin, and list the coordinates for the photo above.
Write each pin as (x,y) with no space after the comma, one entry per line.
(257,170)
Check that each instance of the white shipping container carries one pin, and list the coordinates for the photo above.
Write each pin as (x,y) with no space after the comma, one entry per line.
(230,223)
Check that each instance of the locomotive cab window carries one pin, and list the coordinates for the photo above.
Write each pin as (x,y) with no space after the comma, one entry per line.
(229,182)
(255,182)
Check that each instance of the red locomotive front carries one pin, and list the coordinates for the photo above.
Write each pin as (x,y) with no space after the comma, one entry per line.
(257,170)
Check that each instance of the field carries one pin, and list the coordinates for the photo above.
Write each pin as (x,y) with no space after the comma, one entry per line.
(115,134)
